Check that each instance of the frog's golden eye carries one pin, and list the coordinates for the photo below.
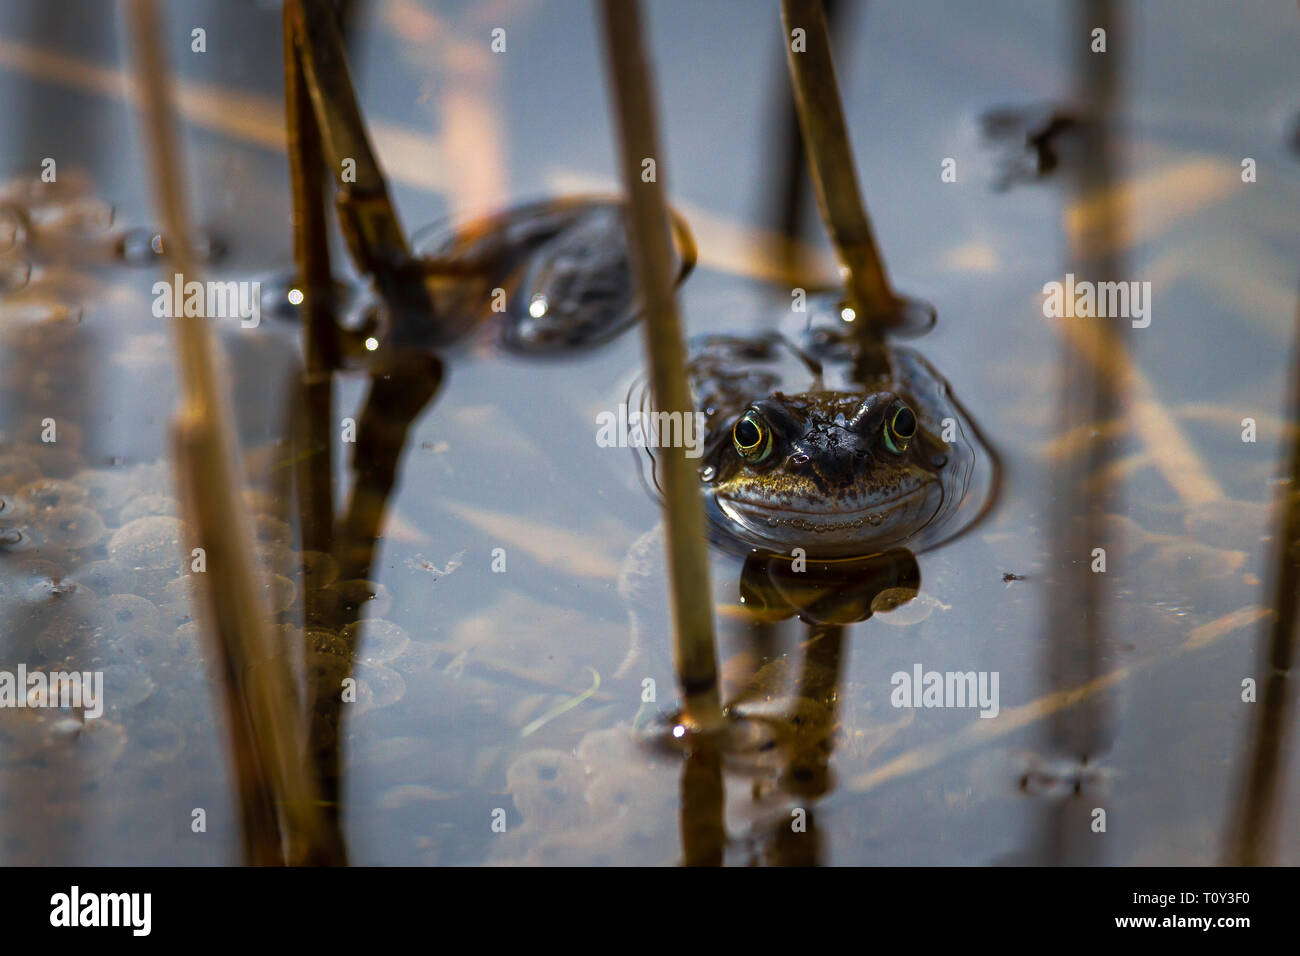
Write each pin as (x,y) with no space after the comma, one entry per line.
(900,427)
(752,437)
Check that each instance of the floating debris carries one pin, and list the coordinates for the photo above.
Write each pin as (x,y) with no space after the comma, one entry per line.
(421,563)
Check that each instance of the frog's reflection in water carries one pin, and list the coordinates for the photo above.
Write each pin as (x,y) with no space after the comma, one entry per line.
(564,265)
(400,389)
(784,744)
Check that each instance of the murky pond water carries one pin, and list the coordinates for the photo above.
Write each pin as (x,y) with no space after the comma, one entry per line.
(514,611)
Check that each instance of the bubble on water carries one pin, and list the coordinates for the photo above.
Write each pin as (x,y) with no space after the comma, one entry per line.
(46,494)
(149,506)
(150,543)
(72,527)
(377,641)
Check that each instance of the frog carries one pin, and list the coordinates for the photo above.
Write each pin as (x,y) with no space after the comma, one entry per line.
(810,446)
(823,450)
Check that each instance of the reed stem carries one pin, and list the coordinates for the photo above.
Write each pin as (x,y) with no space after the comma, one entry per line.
(649,240)
(830,162)
(256,682)
(1256,810)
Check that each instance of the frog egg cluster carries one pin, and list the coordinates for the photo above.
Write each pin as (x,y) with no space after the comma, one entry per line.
(97,578)
(83,586)
(602,804)
(549,787)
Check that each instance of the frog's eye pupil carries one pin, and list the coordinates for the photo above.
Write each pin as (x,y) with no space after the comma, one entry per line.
(752,438)
(901,428)
(904,423)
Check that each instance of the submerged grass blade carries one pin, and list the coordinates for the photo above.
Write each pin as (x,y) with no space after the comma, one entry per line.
(564,706)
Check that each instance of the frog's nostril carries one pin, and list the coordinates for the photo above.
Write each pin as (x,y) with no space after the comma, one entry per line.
(799,459)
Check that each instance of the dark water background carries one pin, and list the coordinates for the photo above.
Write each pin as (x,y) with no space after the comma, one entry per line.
(506,456)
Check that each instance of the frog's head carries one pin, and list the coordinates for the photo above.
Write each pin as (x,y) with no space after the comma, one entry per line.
(827,471)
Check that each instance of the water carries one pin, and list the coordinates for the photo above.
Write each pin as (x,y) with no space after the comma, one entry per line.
(517,690)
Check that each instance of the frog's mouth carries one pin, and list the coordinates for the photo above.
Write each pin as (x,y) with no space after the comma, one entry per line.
(882,522)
